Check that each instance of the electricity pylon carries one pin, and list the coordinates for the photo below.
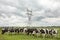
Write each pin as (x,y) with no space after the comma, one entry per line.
(29,15)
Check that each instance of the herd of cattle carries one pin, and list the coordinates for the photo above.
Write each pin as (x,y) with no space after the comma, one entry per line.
(31,31)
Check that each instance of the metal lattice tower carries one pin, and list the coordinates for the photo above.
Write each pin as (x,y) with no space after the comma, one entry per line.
(29,14)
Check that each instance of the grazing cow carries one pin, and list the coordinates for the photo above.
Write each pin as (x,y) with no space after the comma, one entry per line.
(30,31)
(11,30)
(21,30)
(54,32)
(47,31)
(50,31)
(43,32)
(33,32)
(14,30)
(36,32)
(17,30)
(25,30)
(4,30)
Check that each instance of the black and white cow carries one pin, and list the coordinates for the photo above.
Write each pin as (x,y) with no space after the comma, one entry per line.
(47,31)
(21,30)
(25,30)
(17,30)
(53,32)
(9,30)
(30,31)
(4,30)
(43,32)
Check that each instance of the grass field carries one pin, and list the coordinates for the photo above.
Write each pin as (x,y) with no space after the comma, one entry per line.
(27,37)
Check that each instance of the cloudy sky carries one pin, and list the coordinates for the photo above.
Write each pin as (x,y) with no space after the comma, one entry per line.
(45,12)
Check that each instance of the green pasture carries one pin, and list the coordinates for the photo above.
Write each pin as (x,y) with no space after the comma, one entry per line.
(20,36)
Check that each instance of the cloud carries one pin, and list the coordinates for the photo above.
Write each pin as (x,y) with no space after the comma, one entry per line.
(45,12)
(49,3)
(14,19)
(51,20)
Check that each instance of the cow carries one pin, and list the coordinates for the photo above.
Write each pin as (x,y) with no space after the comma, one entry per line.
(21,30)
(4,30)
(11,30)
(36,32)
(43,32)
(25,30)
(54,32)
(17,30)
(47,31)
(30,31)
(50,32)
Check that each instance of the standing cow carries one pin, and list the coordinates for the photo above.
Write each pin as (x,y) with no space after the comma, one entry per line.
(17,30)
(4,30)
(43,32)
(54,32)
(31,31)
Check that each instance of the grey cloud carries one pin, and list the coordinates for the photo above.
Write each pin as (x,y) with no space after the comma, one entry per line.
(52,13)
(21,6)
(38,18)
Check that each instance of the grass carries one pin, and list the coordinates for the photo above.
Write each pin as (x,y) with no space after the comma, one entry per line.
(27,37)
